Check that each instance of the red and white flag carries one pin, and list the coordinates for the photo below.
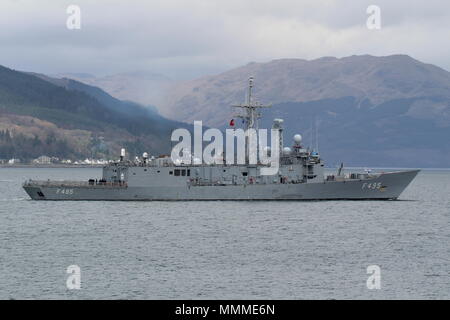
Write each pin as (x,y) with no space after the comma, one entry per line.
(232,123)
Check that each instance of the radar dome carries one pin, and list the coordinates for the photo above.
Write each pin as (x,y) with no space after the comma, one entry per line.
(278,120)
(297,138)
(277,123)
(287,150)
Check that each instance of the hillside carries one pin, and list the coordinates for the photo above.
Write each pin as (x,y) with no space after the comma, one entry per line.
(374,111)
(66,118)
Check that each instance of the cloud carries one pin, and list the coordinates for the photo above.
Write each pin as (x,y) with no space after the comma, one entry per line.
(190,38)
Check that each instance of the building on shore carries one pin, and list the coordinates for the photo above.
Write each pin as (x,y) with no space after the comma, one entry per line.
(14,161)
(43,160)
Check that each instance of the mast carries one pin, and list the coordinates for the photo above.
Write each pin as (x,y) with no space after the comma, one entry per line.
(250,116)
(252,113)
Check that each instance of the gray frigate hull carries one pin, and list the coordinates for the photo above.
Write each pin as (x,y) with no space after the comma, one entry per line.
(386,186)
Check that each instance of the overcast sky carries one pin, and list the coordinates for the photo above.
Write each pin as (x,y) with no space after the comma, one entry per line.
(190,38)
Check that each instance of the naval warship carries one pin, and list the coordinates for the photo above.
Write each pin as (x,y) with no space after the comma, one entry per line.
(300,176)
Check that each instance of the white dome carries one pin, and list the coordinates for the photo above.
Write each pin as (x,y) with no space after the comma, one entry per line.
(277,123)
(298,138)
(286,150)
(145,155)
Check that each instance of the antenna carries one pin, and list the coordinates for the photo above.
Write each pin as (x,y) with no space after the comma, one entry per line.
(317,135)
(341,167)
(250,87)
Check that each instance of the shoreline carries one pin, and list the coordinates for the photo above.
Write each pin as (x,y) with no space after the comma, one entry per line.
(83,166)
(96,166)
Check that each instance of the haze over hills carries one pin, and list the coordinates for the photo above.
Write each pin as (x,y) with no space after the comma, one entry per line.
(374,111)
(145,88)
(65,118)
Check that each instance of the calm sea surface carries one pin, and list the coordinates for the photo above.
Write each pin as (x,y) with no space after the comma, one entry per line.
(224,250)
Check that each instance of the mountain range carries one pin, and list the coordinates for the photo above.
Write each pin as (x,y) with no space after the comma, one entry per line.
(362,110)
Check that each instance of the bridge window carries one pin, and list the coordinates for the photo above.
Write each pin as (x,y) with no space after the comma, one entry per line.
(177,172)
(171,172)
(183,172)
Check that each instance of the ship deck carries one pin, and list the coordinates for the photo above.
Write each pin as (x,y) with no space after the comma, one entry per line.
(74,184)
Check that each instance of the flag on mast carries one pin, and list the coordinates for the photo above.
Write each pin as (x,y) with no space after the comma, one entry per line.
(232,123)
